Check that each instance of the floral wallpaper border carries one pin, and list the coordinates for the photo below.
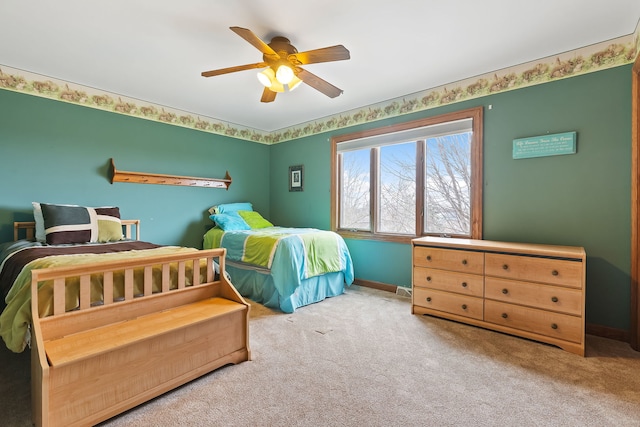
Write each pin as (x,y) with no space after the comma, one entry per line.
(620,51)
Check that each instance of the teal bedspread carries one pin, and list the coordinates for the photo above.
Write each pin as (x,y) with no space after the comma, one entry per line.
(290,256)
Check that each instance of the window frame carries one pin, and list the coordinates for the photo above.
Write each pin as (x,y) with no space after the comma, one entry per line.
(475,114)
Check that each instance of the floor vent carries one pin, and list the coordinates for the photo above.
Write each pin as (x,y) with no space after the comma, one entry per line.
(403,292)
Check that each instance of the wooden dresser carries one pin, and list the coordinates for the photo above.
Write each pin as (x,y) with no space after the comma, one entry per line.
(529,290)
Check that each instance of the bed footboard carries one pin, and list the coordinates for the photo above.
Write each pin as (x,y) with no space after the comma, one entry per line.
(95,362)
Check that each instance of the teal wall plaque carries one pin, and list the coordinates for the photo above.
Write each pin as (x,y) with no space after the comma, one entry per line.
(546,145)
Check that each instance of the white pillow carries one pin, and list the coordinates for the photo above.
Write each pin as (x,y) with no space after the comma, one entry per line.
(37,216)
(230,207)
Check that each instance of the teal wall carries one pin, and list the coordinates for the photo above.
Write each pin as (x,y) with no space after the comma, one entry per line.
(59,153)
(581,199)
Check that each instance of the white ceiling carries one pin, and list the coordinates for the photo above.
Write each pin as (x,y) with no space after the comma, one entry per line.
(155,50)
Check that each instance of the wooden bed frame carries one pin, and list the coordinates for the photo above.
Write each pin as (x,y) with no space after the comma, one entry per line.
(93,363)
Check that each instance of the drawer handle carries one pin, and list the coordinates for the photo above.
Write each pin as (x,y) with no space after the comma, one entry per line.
(554,299)
(464,262)
(505,291)
(504,315)
(464,284)
(464,306)
(554,326)
(428,299)
(554,273)
(505,267)
(428,278)
(428,257)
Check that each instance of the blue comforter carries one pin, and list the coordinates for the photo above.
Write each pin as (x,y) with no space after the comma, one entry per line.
(290,255)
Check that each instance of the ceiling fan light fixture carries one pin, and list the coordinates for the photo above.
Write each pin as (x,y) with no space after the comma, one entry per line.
(284,74)
(266,77)
(276,86)
(294,83)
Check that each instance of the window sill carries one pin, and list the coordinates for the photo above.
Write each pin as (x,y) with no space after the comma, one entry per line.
(380,237)
(363,235)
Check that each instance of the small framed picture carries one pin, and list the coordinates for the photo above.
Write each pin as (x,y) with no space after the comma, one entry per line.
(295,178)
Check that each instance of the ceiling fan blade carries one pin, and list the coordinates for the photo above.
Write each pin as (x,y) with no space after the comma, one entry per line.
(234,69)
(317,83)
(327,54)
(268,95)
(249,36)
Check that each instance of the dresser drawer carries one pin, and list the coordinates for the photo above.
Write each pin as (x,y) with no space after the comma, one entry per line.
(544,270)
(449,259)
(462,305)
(556,325)
(462,283)
(548,297)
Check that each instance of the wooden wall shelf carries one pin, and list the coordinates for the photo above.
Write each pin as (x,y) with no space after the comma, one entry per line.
(158,178)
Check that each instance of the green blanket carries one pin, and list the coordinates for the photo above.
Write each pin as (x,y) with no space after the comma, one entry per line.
(16,317)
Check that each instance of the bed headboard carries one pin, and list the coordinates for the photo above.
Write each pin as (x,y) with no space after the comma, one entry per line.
(26,229)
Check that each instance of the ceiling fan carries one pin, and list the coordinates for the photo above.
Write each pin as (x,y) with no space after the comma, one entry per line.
(282,61)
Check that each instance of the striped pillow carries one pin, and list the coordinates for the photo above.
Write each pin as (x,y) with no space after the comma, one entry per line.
(78,224)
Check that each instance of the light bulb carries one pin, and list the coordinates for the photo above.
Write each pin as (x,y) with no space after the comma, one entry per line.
(284,74)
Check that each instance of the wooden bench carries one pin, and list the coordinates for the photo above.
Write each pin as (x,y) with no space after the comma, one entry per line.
(95,362)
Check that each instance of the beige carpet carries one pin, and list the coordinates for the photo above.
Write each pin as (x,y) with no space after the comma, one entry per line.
(361,359)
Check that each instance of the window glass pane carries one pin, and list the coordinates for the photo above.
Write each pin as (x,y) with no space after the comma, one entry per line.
(354,192)
(448,184)
(397,189)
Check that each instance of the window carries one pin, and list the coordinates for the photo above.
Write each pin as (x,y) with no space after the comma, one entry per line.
(418,178)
